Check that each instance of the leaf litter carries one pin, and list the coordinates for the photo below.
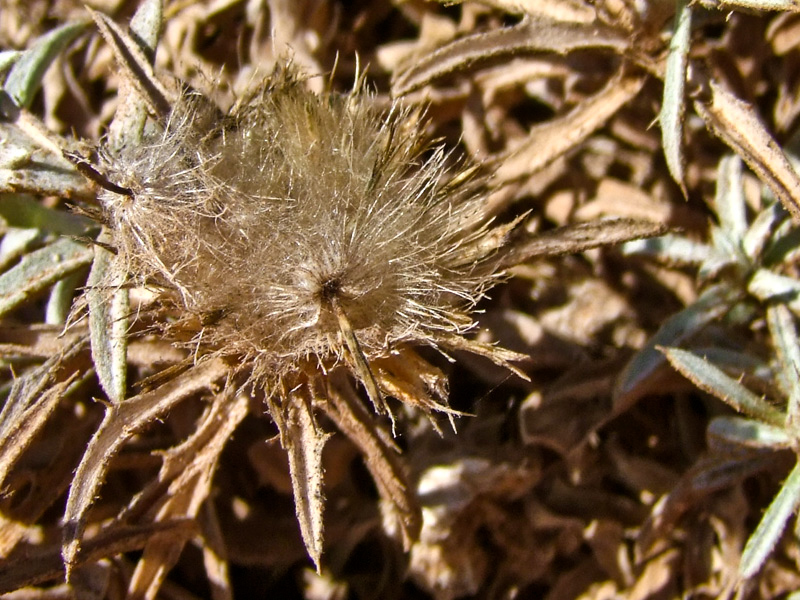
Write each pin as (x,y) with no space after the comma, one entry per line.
(158,420)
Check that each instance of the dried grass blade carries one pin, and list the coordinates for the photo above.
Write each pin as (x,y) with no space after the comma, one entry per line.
(738,125)
(553,139)
(121,421)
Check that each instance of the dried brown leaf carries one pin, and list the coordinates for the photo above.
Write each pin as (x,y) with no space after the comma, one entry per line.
(530,36)
(32,399)
(46,563)
(657,577)
(618,199)
(710,474)
(738,125)
(412,380)
(352,419)
(215,557)
(188,468)
(577,238)
(553,139)
(121,421)
(573,11)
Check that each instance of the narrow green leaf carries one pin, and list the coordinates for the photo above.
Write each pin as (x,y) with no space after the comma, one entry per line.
(26,76)
(15,243)
(709,307)
(729,203)
(59,303)
(7,59)
(735,360)
(725,251)
(135,65)
(673,106)
(40,269)
(762,229)
(23,211)
(109,310)
(147,22)
(784,337)
(671,248)
(771,527)
(24,168)
(747,432)
(783,246)
(713,381)
(768,286)
(131,115)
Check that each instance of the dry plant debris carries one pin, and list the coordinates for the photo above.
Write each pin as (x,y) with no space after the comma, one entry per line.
(215,257)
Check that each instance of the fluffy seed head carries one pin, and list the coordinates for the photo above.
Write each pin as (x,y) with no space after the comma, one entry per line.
(296,216)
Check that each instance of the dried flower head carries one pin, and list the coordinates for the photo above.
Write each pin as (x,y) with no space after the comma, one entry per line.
(300,238)
(301,228)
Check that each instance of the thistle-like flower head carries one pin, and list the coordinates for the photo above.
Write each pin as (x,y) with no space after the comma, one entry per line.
(297,217)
